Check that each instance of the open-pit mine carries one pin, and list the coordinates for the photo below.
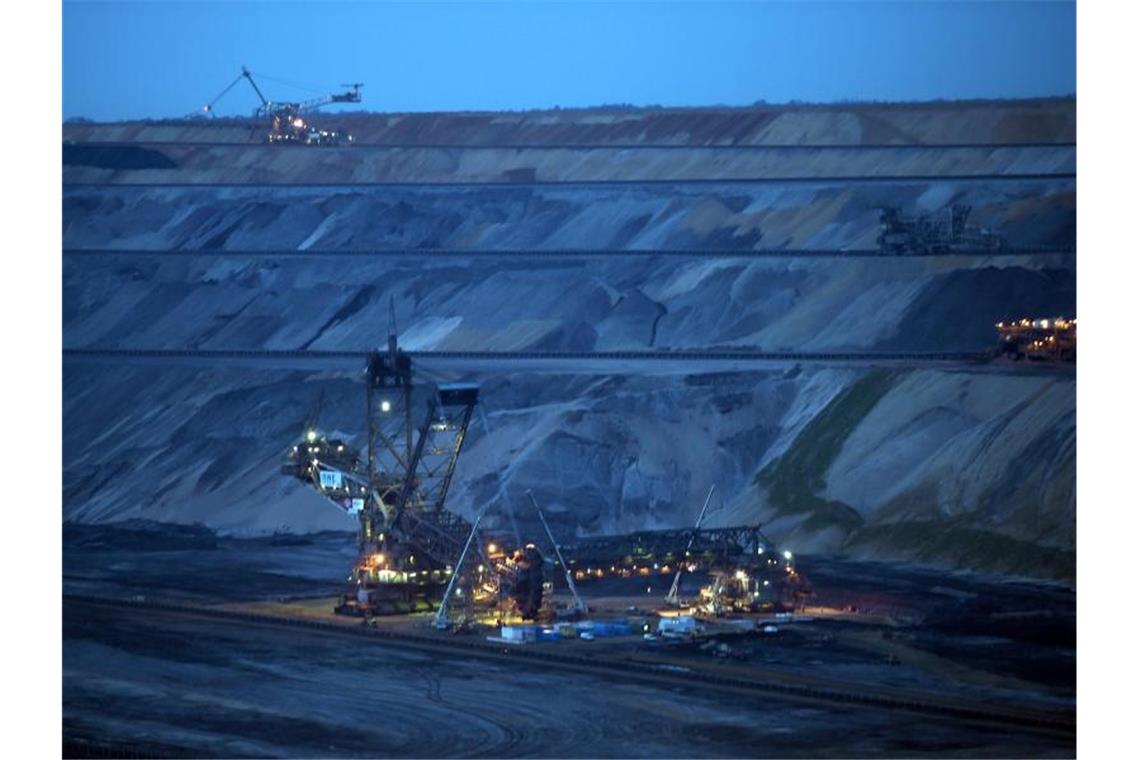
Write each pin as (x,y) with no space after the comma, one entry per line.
(558,433)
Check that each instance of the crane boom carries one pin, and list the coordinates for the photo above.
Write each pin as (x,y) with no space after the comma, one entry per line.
(245,72)
(578,603)
(671,597)
(440,620)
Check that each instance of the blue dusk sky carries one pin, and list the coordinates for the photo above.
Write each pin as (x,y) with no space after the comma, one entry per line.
(158,58)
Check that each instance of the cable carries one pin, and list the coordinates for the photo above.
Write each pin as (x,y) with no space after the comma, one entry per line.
(307,86)
(209,108)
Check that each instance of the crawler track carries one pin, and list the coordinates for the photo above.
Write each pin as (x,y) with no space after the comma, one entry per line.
(786,686)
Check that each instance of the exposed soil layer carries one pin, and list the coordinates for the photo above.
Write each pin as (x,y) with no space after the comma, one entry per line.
(114,158)
(781,215)
(582,304)
(263,164)
(977,122)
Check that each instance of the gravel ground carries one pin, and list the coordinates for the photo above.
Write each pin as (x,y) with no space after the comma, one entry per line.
(213,688)
(224,690)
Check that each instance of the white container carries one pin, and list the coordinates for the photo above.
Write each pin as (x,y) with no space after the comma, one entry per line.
(518,633)
(677,625)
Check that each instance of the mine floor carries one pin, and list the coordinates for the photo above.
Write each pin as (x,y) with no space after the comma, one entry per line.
(134,678)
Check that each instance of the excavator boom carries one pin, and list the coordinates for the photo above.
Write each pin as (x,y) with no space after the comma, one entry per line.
(287,124)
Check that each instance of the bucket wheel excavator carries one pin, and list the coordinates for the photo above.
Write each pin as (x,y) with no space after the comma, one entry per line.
(289,124)
(410,545)
(414,555)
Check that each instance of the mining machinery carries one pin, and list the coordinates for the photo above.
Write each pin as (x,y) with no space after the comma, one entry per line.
(416,555)
(745,570)
(410,545)
(673,597)
(288,122)
(767,582)
(929,234)
(1050,340)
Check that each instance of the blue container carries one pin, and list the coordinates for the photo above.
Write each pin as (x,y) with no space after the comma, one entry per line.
(611,628)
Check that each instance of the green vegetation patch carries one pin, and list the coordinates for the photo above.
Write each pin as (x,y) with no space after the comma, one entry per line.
(793,480)
(956,543)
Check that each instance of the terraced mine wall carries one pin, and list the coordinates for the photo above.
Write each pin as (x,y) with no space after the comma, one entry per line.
(564,303)
(784,215)
(676,248)
(938,123)
(268,164)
